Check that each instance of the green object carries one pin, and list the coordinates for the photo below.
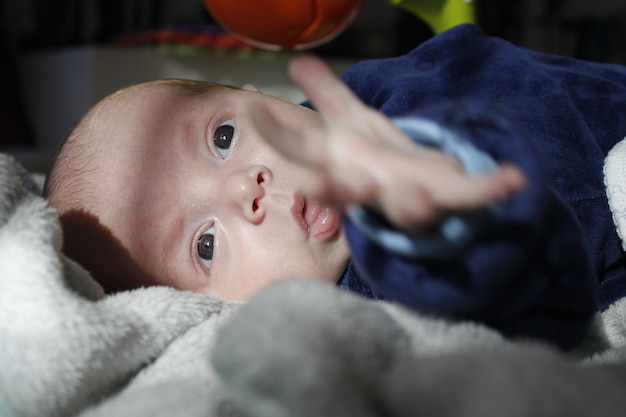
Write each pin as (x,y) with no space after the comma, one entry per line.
(440,14)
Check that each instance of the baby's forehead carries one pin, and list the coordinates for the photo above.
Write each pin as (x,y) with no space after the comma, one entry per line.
(127,117)
(121,121)
(184,87)
(110,134)
(150,96)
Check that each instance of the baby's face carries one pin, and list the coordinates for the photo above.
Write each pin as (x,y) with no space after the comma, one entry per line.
(203,203)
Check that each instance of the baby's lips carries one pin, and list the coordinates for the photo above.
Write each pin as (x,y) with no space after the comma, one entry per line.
(322,220)
(315,219)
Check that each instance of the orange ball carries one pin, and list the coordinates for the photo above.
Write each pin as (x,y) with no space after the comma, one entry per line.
(284,24)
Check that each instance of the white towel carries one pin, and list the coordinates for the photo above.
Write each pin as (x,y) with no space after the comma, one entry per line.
(615,182)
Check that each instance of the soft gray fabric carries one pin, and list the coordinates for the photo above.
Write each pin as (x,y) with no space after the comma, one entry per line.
(299,348)
(323,352)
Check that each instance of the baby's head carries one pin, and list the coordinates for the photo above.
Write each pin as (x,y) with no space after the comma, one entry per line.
(169,183)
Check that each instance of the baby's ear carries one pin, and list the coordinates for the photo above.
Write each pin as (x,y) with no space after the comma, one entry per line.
(250,87)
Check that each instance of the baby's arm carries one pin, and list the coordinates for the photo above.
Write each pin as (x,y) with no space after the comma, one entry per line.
(529,276)
(363,158)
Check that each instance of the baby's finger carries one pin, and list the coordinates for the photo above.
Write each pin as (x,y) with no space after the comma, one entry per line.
(327,92)
(411,207)
(478,191)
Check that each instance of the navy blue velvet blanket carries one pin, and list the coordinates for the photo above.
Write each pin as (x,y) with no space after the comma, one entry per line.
(575,111)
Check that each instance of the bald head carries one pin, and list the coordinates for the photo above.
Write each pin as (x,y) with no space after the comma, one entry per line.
(87,183)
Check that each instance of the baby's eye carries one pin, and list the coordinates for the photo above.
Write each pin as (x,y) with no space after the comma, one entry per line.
(223,136)
(205,247)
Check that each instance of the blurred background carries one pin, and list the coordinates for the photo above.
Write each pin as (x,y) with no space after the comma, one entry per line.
(59,57)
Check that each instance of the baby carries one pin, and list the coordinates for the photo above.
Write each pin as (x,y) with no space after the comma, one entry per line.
(222,190)
(178,177)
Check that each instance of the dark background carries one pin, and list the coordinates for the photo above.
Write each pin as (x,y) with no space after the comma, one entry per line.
(591,30)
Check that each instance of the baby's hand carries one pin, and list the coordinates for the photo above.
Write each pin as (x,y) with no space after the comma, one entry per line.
(363,158)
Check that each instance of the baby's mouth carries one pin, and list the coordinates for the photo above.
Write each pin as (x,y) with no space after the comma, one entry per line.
(315,219)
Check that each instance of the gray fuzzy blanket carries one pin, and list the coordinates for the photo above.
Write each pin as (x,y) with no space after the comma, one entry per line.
(299,348)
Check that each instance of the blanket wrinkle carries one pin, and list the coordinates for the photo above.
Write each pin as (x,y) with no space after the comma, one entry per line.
(300,347)
(184,376)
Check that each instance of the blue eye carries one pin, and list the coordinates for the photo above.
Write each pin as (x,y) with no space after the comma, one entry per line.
(206,243)
(223,137)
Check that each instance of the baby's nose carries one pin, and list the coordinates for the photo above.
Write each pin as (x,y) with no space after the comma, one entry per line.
(248,189)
